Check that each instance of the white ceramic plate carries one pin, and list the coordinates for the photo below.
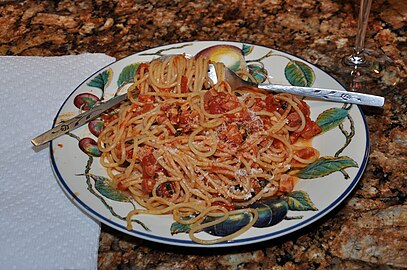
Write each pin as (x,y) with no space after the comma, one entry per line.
(324,193)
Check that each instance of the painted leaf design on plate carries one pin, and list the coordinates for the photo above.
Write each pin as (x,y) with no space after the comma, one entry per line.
(300,201)
(102,80)
(102,185)
(247,49)
(331,118)
(177,227)
(299,73)
(127,74)
(325,166)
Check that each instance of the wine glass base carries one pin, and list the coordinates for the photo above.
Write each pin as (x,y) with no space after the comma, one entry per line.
(354,60)
(363,72)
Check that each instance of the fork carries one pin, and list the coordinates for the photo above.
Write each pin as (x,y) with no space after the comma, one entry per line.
(236,82)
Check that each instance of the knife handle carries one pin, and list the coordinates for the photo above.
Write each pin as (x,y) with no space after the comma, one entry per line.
(77,121)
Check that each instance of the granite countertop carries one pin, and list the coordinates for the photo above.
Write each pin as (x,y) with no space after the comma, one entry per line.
(368,230)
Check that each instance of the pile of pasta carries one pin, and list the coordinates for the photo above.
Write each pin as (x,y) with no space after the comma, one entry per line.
(185,146)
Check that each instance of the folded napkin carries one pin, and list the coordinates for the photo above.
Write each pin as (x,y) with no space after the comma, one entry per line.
(40,228)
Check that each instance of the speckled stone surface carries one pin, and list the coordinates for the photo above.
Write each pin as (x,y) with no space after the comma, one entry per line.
(368,230)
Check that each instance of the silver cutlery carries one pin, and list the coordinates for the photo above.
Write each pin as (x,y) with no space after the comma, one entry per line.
(235,82)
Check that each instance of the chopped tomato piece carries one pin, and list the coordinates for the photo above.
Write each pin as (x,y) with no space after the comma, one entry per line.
(258,104)
(233,134)
(184,84)
(186,117)
(230,104)
(150,168)
(212,102)
(121,187)
(240,116)
(294,137)
(147,107)
(271,104)
(278,144)
(286,183)
(294,119)
(165,107)
(147,185)
(165,89)
(305,108)
(148,164)
(305,153)
(106,118)
(219,102)
(310,130)
(145,98)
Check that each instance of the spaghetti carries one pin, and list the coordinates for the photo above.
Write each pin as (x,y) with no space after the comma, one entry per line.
(185,146)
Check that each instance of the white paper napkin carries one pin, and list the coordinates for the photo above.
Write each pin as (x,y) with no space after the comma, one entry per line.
(40,228)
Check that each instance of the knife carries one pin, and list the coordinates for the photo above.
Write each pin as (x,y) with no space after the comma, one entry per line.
(77,121)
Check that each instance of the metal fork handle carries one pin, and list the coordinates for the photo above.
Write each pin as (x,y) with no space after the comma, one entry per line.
(327,94)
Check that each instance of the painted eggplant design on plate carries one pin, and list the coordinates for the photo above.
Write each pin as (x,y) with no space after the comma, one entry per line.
(270,212)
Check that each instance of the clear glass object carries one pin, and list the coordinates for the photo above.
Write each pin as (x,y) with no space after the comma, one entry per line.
(365,67)
(358,58)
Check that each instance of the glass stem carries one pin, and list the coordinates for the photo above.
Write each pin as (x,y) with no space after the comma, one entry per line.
(362,25)
(357,58)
